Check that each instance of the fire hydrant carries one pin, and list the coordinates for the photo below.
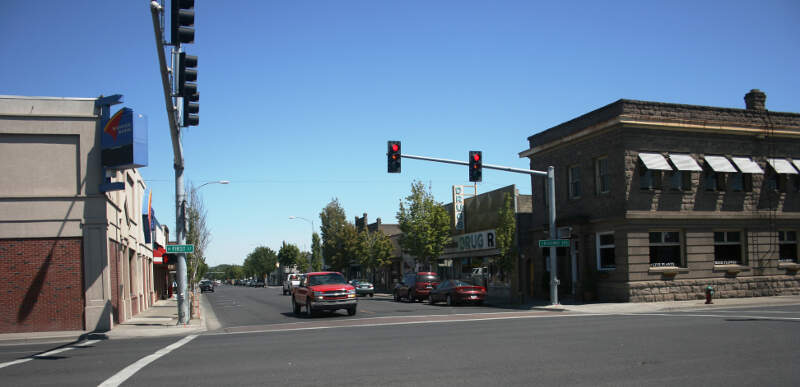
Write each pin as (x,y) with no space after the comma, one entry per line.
(709,294)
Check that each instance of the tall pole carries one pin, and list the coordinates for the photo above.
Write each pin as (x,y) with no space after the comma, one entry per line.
(551,213)
(177,150)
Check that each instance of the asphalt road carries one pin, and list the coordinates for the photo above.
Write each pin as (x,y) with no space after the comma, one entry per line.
(402,344)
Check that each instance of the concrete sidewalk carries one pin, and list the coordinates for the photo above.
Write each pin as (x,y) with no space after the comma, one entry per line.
(161,319)
(671,306)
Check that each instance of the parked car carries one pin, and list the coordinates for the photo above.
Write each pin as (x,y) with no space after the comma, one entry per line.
(325,290)
(415,286)
(457,292)
(259,283)
(206,286)
(363,287)
(292,280)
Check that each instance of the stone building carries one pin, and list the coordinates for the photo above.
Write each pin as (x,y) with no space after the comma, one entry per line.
(71,256)
(660,200)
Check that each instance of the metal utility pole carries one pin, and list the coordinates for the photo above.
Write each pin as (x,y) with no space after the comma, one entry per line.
(551,199)
(177,149)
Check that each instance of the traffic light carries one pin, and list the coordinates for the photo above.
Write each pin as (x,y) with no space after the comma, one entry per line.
(182,21)
(187,88)
(394,156)
(191,108)
(475,165)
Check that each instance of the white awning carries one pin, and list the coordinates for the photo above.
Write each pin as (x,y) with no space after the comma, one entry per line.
(782,166)
(684,163)
(720,164)
(796,163)
(654,161)
(746,165)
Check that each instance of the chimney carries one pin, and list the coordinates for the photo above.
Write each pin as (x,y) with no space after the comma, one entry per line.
(755,100)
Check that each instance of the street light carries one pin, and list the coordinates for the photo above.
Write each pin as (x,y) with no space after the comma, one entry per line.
(312,237)
(212,182)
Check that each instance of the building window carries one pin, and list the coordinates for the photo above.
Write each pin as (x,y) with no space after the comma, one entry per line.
(606,259)
(741,182)
(680,180)
(649,179)
(788,246)
(713,181)
(665,249)
(601,177)
(776,181)
(574,173)
(728,248)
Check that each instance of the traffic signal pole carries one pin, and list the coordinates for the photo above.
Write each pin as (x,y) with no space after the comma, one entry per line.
(551,201)
(177,150)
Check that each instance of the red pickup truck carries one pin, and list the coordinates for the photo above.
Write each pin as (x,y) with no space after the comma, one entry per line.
(325,290)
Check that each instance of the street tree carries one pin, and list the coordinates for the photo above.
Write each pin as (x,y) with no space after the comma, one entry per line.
(260,262)
(198,234)
(424,223)
(288,255)
(339,237)
(506,232)
(316,252)
(375,250)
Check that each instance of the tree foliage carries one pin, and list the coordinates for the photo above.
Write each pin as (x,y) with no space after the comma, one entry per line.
(424,223)
(506,231)
(375,249)
(198,234)
(316,252)
(288,255)
(340,245)
(260,262)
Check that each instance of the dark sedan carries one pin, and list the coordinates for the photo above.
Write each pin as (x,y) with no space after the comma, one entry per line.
(206,286)
(457,292)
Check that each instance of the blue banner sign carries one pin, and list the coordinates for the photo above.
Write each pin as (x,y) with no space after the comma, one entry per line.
(124,140)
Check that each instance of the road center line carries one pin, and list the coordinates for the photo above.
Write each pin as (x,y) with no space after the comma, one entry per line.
(130,370)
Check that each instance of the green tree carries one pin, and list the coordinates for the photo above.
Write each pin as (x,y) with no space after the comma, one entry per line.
(303,262)
(375,250)
(316,252)
(340,245)
(506,231)
(198,235)
(289,255)
(260,262)
(424,223)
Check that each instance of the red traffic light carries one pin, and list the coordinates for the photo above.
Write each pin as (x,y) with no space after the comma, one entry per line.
(395,147)
(476,156)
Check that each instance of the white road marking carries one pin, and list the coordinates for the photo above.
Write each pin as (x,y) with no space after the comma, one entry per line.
(728,316)
(48,353)
(130,370)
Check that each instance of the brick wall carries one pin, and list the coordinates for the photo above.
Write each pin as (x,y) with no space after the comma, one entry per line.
(41,285)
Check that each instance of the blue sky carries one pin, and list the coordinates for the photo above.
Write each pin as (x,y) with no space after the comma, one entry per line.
(298,98)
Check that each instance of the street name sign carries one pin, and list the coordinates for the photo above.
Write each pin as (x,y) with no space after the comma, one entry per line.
(182,248)
(554,243)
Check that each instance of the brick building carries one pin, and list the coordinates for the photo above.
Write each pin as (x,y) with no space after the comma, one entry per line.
(660,200)
(71,257)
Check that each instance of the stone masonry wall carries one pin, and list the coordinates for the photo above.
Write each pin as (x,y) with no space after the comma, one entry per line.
(682,290)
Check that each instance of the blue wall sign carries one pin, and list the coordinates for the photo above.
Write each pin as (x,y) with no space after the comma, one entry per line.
(124,140)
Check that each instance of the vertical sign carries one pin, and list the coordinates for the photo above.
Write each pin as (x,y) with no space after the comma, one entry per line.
(458,206)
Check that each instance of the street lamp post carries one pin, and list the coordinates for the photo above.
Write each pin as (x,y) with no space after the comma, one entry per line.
(312,238)
(180,238)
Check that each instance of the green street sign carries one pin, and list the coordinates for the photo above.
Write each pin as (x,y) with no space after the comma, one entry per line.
(180,249)
(554,243)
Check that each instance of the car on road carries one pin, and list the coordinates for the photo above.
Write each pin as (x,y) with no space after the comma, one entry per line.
(363,287)
(326,290)
(457,292)
(206,286)
(415,286)
(292,280)
(259,283)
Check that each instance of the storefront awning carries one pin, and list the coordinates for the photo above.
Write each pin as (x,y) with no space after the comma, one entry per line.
(684,162)
(654,161)
(720,164)
(796,163)
(782,166)
(746,165)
